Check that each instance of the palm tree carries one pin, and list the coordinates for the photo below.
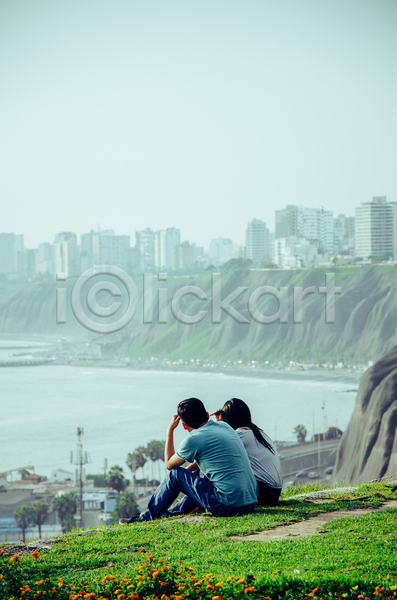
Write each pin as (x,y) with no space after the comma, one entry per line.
(155,451)
(301,432)
(23,517)
(126,506)
(115,478)
(65,506)
(136,460)
(40,514)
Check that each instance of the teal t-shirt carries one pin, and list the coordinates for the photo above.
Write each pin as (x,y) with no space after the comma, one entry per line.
(221,456)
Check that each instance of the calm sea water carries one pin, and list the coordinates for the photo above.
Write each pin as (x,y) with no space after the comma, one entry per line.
(119,409)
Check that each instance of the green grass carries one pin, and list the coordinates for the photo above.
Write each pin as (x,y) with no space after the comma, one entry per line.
(351,550)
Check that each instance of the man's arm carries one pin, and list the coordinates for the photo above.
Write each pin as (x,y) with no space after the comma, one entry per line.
(171,459)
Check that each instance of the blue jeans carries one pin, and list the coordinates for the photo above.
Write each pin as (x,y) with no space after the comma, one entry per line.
(199,492)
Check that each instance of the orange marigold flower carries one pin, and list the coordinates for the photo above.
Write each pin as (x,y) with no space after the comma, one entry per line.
(249,589)
(15,558)
(163,583)
(219,584)
(155,573)
(120,596)
(149,557)
(35,554)
(216,597)
(240,580)
(178,597)
(39,582)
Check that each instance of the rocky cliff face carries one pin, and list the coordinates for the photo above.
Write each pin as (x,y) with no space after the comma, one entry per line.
(368,449)
(364,327)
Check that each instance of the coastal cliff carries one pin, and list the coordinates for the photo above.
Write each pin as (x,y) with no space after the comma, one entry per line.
(363,329)
(368,448)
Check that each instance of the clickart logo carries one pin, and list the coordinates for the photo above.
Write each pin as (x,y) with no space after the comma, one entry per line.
(104,299)
(89,298)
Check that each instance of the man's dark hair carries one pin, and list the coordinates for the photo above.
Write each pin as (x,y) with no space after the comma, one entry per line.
(192,412)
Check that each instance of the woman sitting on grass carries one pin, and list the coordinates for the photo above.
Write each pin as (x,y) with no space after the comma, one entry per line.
(261,451)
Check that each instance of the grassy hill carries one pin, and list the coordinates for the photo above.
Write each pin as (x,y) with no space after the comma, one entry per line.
(364,327)
(354,558)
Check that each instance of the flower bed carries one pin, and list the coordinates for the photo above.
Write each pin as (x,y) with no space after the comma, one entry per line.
(156,579)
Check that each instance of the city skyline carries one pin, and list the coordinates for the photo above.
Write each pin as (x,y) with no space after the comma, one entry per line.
(151,114)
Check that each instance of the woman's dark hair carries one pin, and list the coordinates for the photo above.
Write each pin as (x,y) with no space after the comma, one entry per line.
(236,413)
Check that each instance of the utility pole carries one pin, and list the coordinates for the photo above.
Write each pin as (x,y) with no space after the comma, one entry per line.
(79,459)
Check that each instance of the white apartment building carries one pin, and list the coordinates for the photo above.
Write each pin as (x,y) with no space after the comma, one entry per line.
(104,248)
(317,224)
(344,234)
(12,254)
(145,247)
(257,242)
(66,254)
(296,252)
(310,223)
(164,242)
(376,228)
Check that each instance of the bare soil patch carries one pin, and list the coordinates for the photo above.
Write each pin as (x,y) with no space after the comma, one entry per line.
(309,527)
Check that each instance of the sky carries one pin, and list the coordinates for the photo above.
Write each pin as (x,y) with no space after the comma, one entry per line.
(200,115)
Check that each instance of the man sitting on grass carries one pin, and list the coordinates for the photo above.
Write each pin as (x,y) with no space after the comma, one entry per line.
(229,486)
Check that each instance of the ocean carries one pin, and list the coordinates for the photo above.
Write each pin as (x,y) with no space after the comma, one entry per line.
(120,409)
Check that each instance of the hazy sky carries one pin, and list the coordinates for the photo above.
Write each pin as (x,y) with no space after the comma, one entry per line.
(194,114)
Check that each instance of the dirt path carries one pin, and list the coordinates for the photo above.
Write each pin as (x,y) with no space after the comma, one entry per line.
(309,527)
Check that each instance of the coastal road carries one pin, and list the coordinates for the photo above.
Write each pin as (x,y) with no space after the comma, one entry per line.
(311,448)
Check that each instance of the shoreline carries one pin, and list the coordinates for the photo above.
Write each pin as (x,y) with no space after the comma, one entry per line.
(317,374)
(273,374)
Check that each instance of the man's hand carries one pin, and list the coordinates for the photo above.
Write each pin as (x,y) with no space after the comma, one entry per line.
(218,415)
(193,467)
(174,422)
(171,459)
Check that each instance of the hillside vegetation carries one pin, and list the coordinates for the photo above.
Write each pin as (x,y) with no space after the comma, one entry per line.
(364,327)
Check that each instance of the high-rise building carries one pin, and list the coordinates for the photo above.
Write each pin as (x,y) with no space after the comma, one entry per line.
(45,259)
(164,243)
(317,224)
(12,254)
(183,256)
(104,248)
(145,249)
(111,249)
(66,254)
(344,234)
(314,224)
(257,242)
(376,228)
(287,221)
